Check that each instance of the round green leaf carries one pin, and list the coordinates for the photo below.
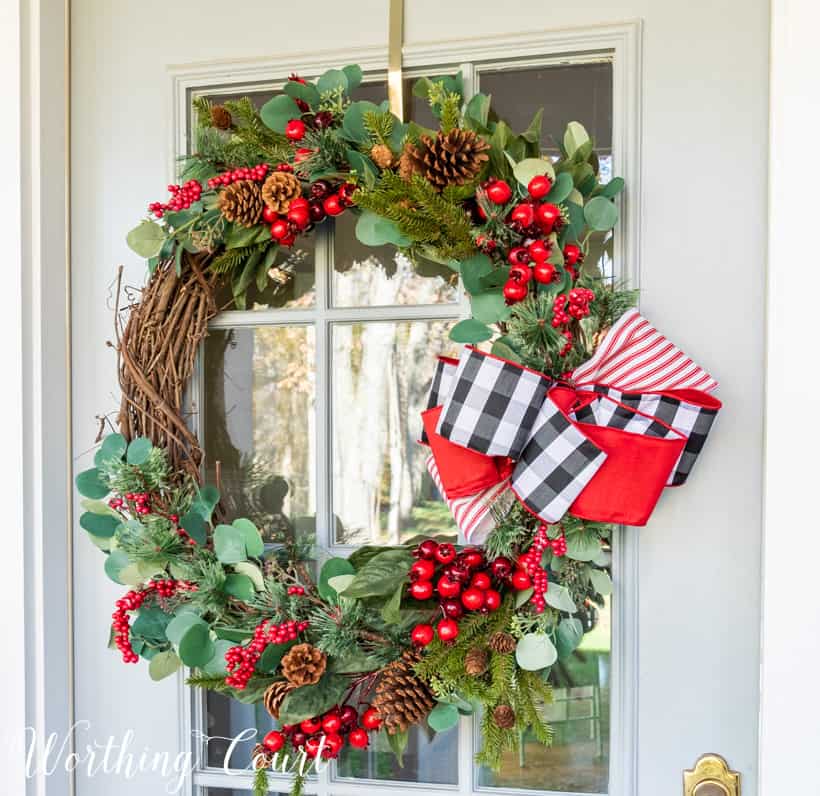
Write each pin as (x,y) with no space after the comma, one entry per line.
(151,623)
(252,571)
(568,637)
(113,447)
(217,664)
(90,484)
(601,581)
(331,569)
(470,331)
(163,665)
(229,544)
(575,136)
(558,597)
(331,80)
(115,563)
(535,651)
(195,526)
(138,451)
(490,306)
(146,239)
(304,91)
(443,717)
(239,586)
(600,213)
(277,112)
(613,187)
(196,647)
(254,546)
(583,546)
(528,168)
(354,75)
(472,269)
(373,230)
(180,625)
(561,188)
(353,123)
(101,525)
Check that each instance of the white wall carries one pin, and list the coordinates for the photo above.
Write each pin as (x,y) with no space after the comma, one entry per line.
(704,245)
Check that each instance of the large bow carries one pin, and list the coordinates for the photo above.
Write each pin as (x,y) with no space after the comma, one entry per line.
(603,449)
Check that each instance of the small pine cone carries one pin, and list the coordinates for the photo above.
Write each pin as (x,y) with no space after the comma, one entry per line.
(275,696)
(382,156)
(261,757)
(476,661)
(502,643)
(504,717)
(448,159)
(241,203)
(221,117)
(280,189)
(406,165)
(304,665)
(402,698)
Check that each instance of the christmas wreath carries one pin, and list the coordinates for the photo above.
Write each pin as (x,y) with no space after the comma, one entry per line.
(575,418)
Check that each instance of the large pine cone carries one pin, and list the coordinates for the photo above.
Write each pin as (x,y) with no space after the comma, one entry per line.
(241,203)
(448,159)
(504,717)
(280,189)
(261,757)
(304,665)
(402,698)
(476,661)
(275,696)
(502,642)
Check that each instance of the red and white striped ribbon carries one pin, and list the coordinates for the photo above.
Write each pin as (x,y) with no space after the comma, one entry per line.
(636,357)
(472,514)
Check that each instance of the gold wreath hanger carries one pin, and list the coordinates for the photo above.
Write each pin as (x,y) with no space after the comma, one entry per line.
(395,39)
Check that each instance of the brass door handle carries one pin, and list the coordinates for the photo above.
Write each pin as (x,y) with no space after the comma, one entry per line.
(711,776)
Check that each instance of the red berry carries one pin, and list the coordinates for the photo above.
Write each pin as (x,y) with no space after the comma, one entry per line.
(447,630)
(332,722)
(523,214)
(473,599)
(427,549)
(539,251)
(312,746)
(447,587)
(452,609)
(333,744)
(274,741)
(492,599)
(371,719)
(421,590)
(298,739)
(572,253)
(548,215)
(499,192)
(346,191)
(299,203)
(445,553)
(514,291)
(539,187)
(423,569)
(472,558)
(358,738)
(521,580)
(279,229)
(295,129)
(299,216)
(309,726)
(481,580)
(421,635)
(543,273)
(301,155)
(333,206)
(521,273)
(501,568)
(518,256)
(349,716)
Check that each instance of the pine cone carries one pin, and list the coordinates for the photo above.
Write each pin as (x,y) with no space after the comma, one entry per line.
(402,698)
(382,156)
(241,203)
(275,696)
(448,159)
(221,117)
(502,642)
(280,189)
(261,757)
(476,661)
(304,665)
(504,717)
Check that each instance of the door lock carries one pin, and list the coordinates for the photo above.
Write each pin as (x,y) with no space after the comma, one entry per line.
(711,776)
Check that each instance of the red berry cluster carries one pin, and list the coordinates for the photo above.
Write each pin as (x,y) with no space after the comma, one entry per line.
(328,733)
(132,601)
(241,660)
(559,546)
(304,212)
(531,573)
(463,582)
(256,173)
(296,591)
(182,197)
(579,298)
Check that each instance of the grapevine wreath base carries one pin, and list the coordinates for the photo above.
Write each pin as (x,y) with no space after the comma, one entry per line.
(576,417)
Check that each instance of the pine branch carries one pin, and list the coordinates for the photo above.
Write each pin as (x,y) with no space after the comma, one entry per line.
(260,782)
(378,125)
(231,259)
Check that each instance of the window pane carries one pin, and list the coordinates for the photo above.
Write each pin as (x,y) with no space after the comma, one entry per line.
(578,760)
(381,375)
(228,719)
(377,276)
(429,758)
(259,425)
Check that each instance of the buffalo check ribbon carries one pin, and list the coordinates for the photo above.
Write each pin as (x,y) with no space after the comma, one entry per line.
(559,439)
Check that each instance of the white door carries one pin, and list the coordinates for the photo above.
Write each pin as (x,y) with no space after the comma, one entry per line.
(676,101)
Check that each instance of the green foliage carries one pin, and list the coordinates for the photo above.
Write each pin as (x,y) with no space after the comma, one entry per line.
(232,259)
(379,125)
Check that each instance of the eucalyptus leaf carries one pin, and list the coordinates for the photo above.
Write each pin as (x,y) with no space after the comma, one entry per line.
(254,546)
(354,75)
(139,450)
(277,112)
(150,623)
(575,136)
(115,563)
(195,526)
(601,581)
(332,80)
(101,525)
(568,636)
(523,597)
(180,624)
(613,187)
(90,484)
(306,92)
(196,648)
(501,349)
(229,544)
(163,665)
(217,664)
(583,546)
(490,306)
(472,269)
(533,167)
(558,597)
(535,651)
(470,331)
(251,571)
(601,213)
(443,717)
(332,568)
(374,230)
(146,239)
(113,447)
(561,188)
(272,656)
(239,586)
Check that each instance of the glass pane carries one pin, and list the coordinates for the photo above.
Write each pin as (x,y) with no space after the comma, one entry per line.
(381,375)
(429,758)
(578,760)
(377,276)
(259,427)
(228,719)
